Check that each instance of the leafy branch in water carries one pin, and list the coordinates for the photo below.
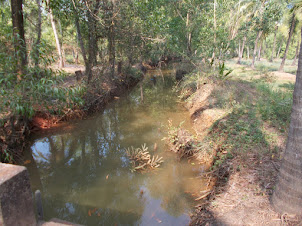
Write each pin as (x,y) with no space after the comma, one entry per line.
(142,160)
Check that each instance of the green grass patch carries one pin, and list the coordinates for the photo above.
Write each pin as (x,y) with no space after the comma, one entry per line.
(274,106)
(252,106)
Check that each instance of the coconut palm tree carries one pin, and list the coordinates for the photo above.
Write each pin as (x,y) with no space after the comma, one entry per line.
(254,10)
(287,197)
(293,23)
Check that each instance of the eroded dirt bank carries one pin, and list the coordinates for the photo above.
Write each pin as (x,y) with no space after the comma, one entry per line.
(243,152)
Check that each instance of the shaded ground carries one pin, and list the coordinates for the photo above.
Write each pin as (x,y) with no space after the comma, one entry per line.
(243,122)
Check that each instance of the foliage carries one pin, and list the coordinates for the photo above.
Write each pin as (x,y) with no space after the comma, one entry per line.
(6,156)
(38,89)
(222,75)
(123,33)
(142,160)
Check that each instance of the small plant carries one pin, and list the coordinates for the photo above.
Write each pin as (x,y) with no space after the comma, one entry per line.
(222,75)
(142,160)
(6,156)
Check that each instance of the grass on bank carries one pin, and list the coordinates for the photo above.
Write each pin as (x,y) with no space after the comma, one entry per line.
(258,107)
(264,65)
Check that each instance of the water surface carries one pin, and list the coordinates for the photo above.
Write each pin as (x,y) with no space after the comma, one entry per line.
(84,173)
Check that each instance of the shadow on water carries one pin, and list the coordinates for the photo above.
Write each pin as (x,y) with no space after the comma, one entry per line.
(84,173)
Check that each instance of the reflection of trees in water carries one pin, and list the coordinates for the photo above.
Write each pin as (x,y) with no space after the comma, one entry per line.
(73,172)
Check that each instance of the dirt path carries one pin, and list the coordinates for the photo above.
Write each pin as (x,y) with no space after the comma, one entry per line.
(70,68)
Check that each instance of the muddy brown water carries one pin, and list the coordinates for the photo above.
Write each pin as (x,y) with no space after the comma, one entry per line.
(84,173)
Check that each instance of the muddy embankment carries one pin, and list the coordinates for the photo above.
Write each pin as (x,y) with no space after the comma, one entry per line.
(203,113)
(242,153)
(102,89)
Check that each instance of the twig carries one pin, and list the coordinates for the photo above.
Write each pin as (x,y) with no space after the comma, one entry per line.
(203,196)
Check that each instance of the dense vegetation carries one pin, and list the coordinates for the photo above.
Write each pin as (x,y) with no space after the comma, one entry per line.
(37,35)
(38,39)
(124,32)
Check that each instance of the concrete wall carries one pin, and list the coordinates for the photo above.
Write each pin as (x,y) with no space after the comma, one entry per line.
(16,201)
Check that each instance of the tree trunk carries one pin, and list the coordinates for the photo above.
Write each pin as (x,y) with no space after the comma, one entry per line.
(259,52)
(92,35)
(241,51)
(263,49)
(76,57)
(255,48)
(91,40)
(279,50)
(36,52)
(291,31)
(111,41)
(220,55)
(214,41)
(142,92)
(287,197)
(80,41)
(18,32)
(238,49)
(248,52)
(62,39)
(53,24)
(119,67)
(296,55)
(189,35)
(274,45)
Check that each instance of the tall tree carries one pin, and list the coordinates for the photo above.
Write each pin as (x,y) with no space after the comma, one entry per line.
(214,39)
(111,36)
(53,24)
(92,32)
(255,47)
(287,197)
(241,50)
(290,34)
(18,32)
(39,31)
(80,39)
(274,45)
(296,54)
